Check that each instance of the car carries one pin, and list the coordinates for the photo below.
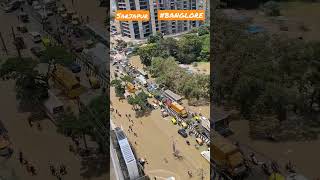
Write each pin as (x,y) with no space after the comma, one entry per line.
(75,68)
(183,133)
(37,51)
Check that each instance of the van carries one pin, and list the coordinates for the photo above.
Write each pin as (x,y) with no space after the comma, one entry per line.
(36,37)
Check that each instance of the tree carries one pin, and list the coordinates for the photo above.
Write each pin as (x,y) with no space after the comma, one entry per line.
(14,67)
(189,48)
(146,53)
(155,38)
(127,78)
(169,46)
(72,125)
(271,8)
(31,87)
(59,54)
(119,88)
(141,100)
(203,30)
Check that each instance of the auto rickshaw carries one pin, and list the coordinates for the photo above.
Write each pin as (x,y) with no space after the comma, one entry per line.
(64,17)
(89,43)
(75,19)
(24,17)
(174,121)
(22,28)
(46,41)
(61,10)
(70,13)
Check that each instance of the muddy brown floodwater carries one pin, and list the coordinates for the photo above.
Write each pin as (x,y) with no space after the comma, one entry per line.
(305,155)
(154,142)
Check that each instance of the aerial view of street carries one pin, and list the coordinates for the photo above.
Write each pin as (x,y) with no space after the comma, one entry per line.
(266,89)
(53,66)
(159,96)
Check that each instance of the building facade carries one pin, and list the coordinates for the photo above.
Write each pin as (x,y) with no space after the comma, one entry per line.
(141,30)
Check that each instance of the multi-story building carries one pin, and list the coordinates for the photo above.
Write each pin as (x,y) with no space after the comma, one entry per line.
(141,30)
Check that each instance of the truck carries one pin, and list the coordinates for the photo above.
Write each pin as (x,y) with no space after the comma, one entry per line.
(68,82)
(180,110)
(227,156)
(53,106)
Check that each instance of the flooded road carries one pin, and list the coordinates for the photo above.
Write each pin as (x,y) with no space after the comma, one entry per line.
(304,155)
(155,137)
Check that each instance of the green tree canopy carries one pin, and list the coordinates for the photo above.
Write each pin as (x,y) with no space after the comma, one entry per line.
(59,54)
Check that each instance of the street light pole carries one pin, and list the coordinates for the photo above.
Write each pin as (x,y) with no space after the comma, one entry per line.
(15,42)
(3,44)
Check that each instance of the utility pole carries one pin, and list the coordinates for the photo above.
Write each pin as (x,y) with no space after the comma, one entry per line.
(3,44)
(15,42)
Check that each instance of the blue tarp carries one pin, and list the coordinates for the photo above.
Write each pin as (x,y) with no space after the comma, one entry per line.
(255,29)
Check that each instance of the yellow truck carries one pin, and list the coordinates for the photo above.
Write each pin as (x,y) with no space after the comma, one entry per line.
(227,156)
(179,109)
(68,82)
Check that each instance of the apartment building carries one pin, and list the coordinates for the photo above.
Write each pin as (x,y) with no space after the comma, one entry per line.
(141,30)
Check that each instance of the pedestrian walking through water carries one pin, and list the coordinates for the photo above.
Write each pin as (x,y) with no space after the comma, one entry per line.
(52,170)
(20,157)
(33,170)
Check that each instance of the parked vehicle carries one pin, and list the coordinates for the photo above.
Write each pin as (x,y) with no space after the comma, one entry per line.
(24,17)
(67,81)
(75,68)
(53,106)
(183,133)
(36,37)
(174,121)
(180,110)
(22,28)
(227,156)
(37,51)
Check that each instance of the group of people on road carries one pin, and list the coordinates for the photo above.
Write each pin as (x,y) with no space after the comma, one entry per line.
(38,124)
(273,167)
(29,167)
(77,145)
(58,172)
